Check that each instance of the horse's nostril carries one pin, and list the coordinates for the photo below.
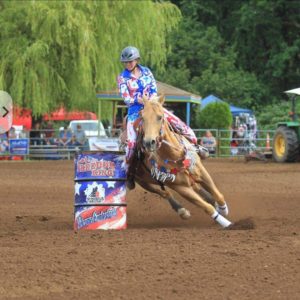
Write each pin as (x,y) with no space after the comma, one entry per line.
(153,142)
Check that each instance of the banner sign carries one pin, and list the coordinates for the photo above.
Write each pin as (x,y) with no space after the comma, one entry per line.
(19,146)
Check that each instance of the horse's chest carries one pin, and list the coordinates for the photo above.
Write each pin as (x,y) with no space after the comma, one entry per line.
(162,173)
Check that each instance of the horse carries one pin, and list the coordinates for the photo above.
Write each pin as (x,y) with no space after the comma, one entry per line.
(167,159)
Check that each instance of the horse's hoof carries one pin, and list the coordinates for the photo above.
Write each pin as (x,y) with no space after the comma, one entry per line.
(223,210)
(184,213)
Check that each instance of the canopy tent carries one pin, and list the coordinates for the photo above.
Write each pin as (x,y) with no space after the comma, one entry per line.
(172,95)
(62,115)
(22,117)
(235,111)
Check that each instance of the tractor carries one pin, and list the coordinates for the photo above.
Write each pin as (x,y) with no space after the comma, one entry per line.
(286,140)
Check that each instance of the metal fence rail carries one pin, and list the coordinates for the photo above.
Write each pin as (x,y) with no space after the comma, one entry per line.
(261,141)
(41,148)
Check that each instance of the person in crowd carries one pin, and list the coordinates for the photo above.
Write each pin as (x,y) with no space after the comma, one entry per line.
(79,137)
(4,145)
(209,142)
(234,144)
(135,82)
(48,134)
(65,137)
(12,133)
(36,135)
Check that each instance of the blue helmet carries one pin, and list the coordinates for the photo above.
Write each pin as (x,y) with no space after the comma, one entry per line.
(129,54)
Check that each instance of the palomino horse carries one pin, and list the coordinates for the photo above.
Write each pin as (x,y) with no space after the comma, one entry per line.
(169,160)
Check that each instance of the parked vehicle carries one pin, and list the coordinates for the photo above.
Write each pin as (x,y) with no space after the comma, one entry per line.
(92,128)
(286,141)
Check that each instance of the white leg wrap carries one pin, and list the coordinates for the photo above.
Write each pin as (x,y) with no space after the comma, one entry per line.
(220,219)
(223,210)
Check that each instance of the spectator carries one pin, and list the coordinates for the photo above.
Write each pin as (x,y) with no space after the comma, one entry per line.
(79,137)
(234,144)
(12,133)
(35,135)
(65,137)
(209,141)
(4,146)
(49,134)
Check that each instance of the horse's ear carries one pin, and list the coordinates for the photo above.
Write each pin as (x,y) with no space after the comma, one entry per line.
(161,99)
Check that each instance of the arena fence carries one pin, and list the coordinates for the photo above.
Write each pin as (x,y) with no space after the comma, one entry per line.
(45,145)
(236,143)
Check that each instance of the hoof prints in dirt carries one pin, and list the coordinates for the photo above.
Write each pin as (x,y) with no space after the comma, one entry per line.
(32,218)
(42,222)
(245,224)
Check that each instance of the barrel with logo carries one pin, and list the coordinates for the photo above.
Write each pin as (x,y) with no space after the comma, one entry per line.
(100,190)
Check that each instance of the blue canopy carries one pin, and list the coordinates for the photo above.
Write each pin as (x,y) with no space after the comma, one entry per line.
(234,109)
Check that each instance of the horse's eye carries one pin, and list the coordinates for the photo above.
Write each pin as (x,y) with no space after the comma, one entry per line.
(159,118)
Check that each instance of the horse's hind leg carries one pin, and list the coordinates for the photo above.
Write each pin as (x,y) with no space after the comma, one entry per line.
(194,197)
(206,196)
(181,211)
(210,187)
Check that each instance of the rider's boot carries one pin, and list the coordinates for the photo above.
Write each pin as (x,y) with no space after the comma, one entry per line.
(130,184)
(202,151)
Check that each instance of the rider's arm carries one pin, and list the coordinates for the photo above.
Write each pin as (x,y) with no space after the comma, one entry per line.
(124,91)
(152,90)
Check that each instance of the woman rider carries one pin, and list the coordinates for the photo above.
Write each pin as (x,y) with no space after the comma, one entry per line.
(135,82)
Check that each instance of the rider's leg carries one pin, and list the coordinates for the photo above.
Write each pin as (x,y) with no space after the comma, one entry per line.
(186,131)
(131,143)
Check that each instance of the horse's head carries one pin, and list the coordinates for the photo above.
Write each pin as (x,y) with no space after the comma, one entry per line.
(153,117)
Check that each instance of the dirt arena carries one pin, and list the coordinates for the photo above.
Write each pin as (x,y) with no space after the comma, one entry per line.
(159,256)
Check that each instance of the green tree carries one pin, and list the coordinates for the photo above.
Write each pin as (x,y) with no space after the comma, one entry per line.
(266,37)
(280,111)
(215,115)
(55,53)
(202,62)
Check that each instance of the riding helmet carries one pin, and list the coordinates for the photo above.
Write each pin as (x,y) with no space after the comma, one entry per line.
(129,54)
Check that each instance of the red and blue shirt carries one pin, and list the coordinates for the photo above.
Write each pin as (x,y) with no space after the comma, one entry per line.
(131,88)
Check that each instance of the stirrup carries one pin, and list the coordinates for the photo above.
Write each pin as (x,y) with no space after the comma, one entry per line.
(202,151)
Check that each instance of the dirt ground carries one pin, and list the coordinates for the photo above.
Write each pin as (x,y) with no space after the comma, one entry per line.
(159,256)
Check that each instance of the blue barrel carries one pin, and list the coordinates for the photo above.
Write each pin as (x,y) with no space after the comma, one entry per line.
(100,190)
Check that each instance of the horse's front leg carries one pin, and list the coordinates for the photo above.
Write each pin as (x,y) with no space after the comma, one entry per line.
(210,187)
(189,193)
(181,211)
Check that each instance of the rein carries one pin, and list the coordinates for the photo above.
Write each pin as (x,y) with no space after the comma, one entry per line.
(163,169)
(160,140)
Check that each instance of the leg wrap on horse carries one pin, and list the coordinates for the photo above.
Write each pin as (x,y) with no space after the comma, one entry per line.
(220,219)
(222,209)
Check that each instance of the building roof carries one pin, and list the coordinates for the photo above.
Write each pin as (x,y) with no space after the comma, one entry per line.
(171,93)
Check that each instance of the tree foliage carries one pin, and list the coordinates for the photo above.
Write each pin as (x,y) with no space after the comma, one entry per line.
(202,62)
(215,115)
(271,114)
(246,52)
(55,53)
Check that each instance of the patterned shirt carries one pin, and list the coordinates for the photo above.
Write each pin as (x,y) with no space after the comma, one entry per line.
(131,88)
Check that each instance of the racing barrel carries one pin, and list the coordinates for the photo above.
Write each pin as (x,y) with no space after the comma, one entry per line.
(100,190)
